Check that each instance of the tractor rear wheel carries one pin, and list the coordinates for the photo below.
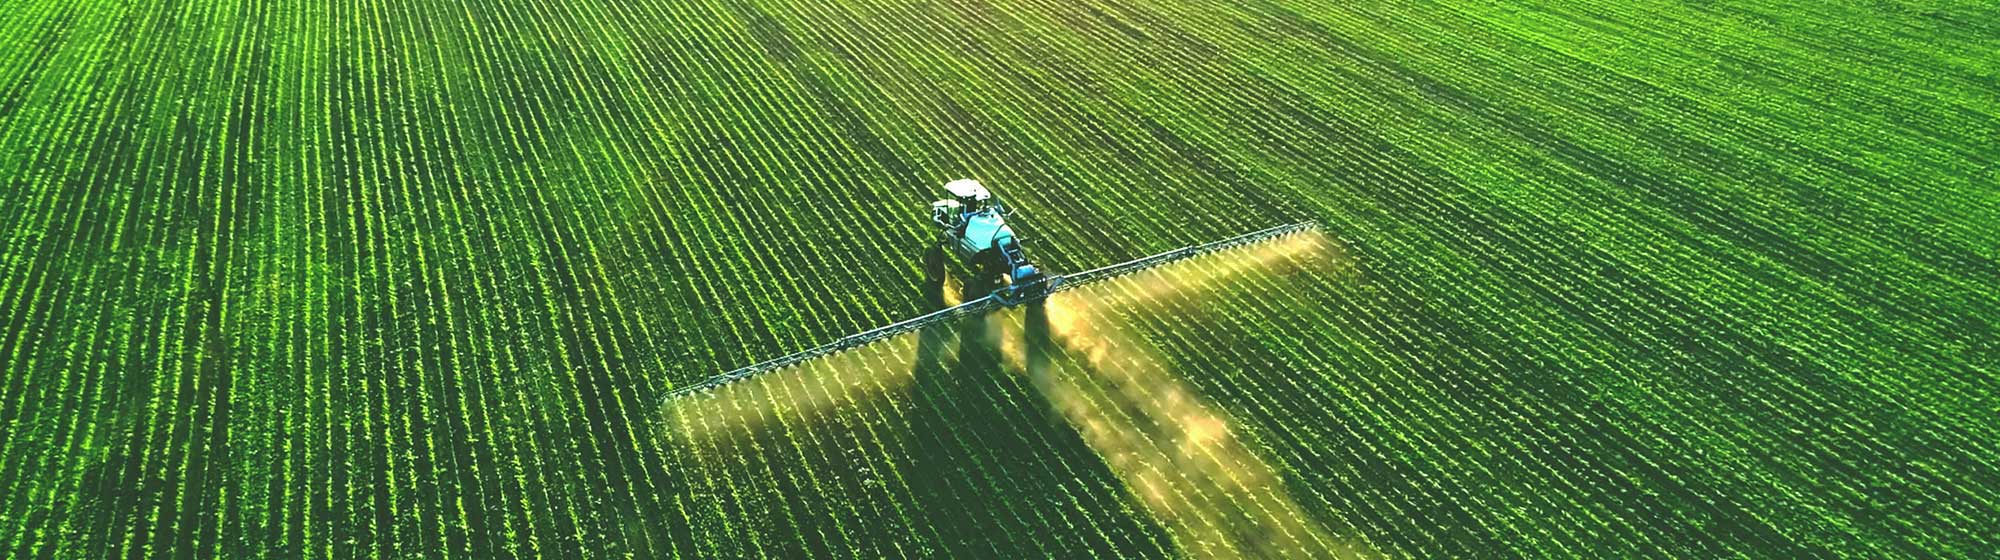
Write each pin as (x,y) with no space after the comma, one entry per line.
(982,282)
(991,268)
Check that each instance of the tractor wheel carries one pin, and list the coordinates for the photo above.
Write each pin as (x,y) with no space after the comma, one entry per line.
(934,266)
(982,282)
(992,269)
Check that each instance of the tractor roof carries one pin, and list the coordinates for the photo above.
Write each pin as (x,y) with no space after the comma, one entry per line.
(968,188)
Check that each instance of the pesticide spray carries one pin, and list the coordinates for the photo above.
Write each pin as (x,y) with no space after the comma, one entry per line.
(1178,456)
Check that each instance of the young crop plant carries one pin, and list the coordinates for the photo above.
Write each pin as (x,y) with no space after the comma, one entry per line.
(391,280)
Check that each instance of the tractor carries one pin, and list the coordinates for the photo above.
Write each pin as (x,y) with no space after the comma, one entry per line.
(972,226)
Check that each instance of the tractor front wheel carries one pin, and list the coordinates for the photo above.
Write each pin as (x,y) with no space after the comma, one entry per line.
(934,266)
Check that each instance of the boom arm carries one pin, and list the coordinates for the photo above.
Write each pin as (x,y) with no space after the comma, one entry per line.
(1053,283)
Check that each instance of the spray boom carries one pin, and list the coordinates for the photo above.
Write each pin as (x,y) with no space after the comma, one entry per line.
(1041,288)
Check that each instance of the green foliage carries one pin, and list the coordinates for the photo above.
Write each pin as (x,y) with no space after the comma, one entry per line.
(382,280)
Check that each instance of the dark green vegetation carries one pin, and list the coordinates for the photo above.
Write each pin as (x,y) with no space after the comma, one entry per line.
(369,279)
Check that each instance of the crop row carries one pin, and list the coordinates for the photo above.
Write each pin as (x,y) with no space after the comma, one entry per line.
(370,279)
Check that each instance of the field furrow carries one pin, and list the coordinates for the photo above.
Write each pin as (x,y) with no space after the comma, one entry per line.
(373,279)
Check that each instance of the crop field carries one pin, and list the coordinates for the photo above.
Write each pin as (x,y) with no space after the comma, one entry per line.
(365,279)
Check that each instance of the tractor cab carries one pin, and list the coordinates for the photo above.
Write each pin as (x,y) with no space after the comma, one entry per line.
(968,199)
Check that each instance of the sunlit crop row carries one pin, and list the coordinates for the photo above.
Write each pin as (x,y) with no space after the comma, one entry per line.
(368,279)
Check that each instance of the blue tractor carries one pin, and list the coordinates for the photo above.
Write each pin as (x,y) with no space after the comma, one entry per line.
(973,226)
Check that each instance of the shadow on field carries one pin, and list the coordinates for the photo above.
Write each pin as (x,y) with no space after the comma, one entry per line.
(1050,430)
(996,472)
(921,444)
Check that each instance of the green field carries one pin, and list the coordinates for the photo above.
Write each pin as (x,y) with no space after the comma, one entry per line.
(1596,279)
